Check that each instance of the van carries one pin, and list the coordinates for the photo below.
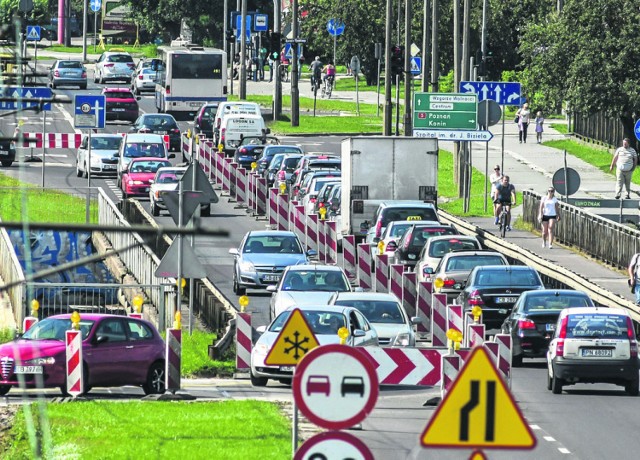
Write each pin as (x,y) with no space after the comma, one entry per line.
(138,145)
(234,127)
(232,108)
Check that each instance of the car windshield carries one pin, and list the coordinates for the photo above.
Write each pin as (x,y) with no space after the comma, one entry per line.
(118,94)
(440,248)
(119,58)
(272,244)
(397,230)
(468,263)
(321,322)
(276,161)
(144,150)
(383,311)
(420,236)
(324,165)
(70,65)
(597,325)
(159,122)
(408,213)
(511,278)
(147,166)
(547,303)
(320,183)
(290,163)
(106,143)
(54,329)
(169,177)
(315,280)
(283,149)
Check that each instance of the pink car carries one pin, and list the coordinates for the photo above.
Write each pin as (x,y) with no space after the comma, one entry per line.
(135,179)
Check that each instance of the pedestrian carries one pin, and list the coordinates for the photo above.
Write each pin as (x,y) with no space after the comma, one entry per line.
(626,161)
(524,115)
(262,57)
(548,215)
(271,63)
(495,179)
(539,126)
(634,276)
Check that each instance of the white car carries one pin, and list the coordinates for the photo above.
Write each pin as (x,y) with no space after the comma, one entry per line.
(113,65)
(104,155)
(165,180)
(324,322)
(309,199)
(435,249)
(593,345)
(143,80)
(385,313)
(309,284)
(392,232)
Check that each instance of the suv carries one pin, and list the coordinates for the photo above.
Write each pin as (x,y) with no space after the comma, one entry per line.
(412,242)
(114,65)
(388,211)
(593,345)
(121,104)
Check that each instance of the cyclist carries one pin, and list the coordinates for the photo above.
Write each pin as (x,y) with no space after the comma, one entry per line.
(504,196)
(316,71)
(329,74)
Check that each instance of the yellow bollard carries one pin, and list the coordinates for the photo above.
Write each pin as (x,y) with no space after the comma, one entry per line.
(177,323)
(322,212)
(137,303)
(244,302)
(477,313)
(75,320)
(254,166)
(35,306)
(343,333)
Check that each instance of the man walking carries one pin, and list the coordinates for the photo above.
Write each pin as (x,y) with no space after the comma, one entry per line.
(626,161)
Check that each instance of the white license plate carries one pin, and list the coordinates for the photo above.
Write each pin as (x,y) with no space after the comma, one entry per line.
(28,370)
(109,167)
(597,352)
(160,132)
(118,110)
(4,152)
(271,277)
(195,104)
(287,368)
(551,327)
(506,299)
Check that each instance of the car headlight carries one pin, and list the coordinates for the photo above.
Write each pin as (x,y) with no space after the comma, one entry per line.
(261,349)
(402,340)
(40,361)
(135,182)
(247,267)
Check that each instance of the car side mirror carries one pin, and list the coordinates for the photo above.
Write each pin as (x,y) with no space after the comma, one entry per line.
(416,320)
(261,329)
(271,288)
(359,333)
(151,181)
(102,339)
(428,270)
(138,98)
(234,252)
(312,253)
(358,289)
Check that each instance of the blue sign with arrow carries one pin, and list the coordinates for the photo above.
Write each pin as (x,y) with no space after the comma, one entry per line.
(95,5)
(90,111)
(335,27)
(503,92)
(415,65)
(636,129)
(21,92)
(248,21)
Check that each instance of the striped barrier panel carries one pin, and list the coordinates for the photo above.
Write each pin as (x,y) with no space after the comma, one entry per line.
(331,241)
(219,161)
(173,360)
(243,341)
(261,196)
(395,280)
(273,207)
(226,177)
(409,293)
(382,273)
(241,186)
(204,158)
(292,214)
(312,232)
(233,174)
(468,321)
(28,322)
(251,192)
(349,255)
(50,140)
(322,240)
(423,307)
(299,224)
(451,365)
(455,318)
(494,351)
(365,266)
(185,146)
(439,320)
(283,212)
(75,383)
(504,355)
(475,335)
(407,366)
(209,159)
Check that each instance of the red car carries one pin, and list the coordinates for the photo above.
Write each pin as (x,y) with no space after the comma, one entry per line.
(135,179)
(121,104)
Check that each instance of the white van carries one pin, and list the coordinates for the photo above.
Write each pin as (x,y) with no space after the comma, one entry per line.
(234,127)
(232,108)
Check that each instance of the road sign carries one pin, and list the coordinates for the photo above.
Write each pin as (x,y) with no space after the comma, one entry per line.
(566,186)
(355,64)
(202,183)
(191,267)
(445,111)
(248,20)
(495,112)
(503,92)
(33,33)
(636,129)
(331,445)
(24,92)
(335,27)
(288,51)
(190,202)
(90,111)
(95,5)
(295,340)
(415,65)
(260,23)
(335,386)
(603,203)
(454,135)
(478,411)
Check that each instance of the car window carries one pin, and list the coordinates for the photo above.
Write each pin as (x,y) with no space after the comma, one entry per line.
(409,213)
(321,322)
(398,230)
(119,58)
(139,331)
(272,244)
(442,247)
(155,121)
(148,166)
(54,329)
(364,324)
(169,177)
(421,235)
(315,280)
(382,311)
(467,263)
(118,94)
(105,143)
(112,328)
(506,278)
(597,325)
(69,65)
(140,150)
(546,303)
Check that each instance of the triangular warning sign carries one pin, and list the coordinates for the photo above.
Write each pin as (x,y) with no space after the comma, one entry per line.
(191,267)
(294,341)
(479,411)
(34,34)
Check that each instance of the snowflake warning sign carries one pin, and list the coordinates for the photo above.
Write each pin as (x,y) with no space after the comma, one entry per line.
(294,341)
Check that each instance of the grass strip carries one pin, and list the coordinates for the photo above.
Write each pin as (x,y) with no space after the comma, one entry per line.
(195,356)
(148,50)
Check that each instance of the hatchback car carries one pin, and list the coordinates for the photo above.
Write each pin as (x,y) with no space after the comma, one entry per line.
(203,121)
(309,177)
(262,257)
(533,319)
(270,151)
(251,148)
(143,80)
(159,123)
(113,66)
(136,180)
(104,155)
(7,150)
(117,350)
(313,188)
(409,247)
(324,321)
(388,211)
(385,313)
(593,345)
(435,249)
(165,180)
(122,105)
(66,72)
(287,166)
(392,232)
(323,195)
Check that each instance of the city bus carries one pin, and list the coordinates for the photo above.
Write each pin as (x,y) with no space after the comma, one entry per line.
(190,77)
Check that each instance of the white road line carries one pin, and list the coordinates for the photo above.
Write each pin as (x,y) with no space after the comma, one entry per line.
(563,450)
(549,438)
(534,427)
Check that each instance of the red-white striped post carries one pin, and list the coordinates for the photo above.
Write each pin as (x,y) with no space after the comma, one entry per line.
(226,177)
(504,355)
(349,255)
(173,362)
(185,145)
(451,365)
(395,280)
(233,174)
(475,335)
(312,232)
(283,212)
(425,292)
(331,240)
(251,192)
(322,247)
(75,383)
(243,341)
(28,323)
(218,157)
(365,266)
(455,318)
(439,320)
(409,293)
(261,196)
(241,186)
(494,351)
(273,207)
(299,224)
(382,273)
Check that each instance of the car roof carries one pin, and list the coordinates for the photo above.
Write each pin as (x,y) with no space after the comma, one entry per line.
(511,268)
(310,267)
(140,160)
(405,203)
(104,135)
(271,233)
(475,252)
(449,237)
(111,52)
(90,316)
(144,138)
(584,310)
(366,296)
(327,308)
(172,168)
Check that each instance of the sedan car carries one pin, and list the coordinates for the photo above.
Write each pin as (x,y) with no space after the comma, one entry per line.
(262,257)
(251,148)
(159,123)
(496,289)
(409,247)
(593,345)
(113,65)
(116,350)
(104,155)
(67,72)
(435,249)
(533,319)
(385,313)
(122,105)
(165,180)
(311,284)
(392,232)
(270,151)
(143,80)
(7,150)
(136,180)
(311,195)
(324,322)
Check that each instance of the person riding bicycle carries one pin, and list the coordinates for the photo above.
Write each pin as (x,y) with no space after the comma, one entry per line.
(316,72)
(504,196)
(329,73)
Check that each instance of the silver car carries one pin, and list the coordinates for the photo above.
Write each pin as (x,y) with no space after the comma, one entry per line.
(67,72)
(112,66)
(143,80)
(104,155)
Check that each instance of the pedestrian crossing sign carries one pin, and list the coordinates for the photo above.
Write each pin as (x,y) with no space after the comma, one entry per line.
(295,340)
(33,33)
(416,65)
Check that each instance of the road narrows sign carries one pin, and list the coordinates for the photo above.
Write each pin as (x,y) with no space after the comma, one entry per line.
(478,411)
(295,340)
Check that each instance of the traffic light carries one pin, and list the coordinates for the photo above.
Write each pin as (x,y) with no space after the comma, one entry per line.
(397,60)
(230,35)
(275,42)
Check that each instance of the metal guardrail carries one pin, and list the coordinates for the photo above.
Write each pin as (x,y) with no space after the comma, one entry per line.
(12,272)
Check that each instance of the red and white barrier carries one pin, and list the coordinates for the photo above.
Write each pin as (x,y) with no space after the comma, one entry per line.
(406,366)
(173,363)
(219,160)
(475,335)
(423,307)
(365,266)
(50,140)
(243,341)
(382,273)
(451,365)
(299,224)
(273,207)
(28,322)
(251,192)
(312,233)
(331,242)
(455,318)
(241,186)
(233,176)
(283,212)
(504,355)
(261,196)
(395,280)
(226,177)
(494,351)
(75,383)
(185,145)
(439,320)
(349,255)
(322,247)
(409,293)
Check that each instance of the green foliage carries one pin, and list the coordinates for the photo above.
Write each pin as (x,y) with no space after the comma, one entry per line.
(195,356)
(354,125)
(148,50)
(446,83)
(7,335)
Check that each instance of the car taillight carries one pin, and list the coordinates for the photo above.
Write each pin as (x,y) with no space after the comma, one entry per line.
(109,65)
(222,131)
(631,333)
(448,282)
(562,334)
(56,73)
(475,298)
(313,200)
(84,74)
(140,77)
(378,228)
(131,65)
(526,324)
(176,130)
(168,90)
(392,246)
(243,150)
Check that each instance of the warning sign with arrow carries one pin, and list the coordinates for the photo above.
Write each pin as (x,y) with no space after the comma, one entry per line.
(478,412)
(294,341)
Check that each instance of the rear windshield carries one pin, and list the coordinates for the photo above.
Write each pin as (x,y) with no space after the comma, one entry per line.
(440,248)
(274,150)
(291,163)
(106,143)
(272,244)
(170,176)
(315,280)
(468,263)
(324,165)
(319,184)
(118,94)
(597,325)
(148,166)
(420,236)
(519,278)
(546,303)
(321,322)
(144,150)
(408,213)
(70,65)
(376,311)
(159,121)
(119,58)
(397,230)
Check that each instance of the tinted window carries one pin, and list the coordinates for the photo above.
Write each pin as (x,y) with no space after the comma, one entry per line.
(290,163)
(159,121)
(321,322)
(148,166)
(70,65)
(106,143)
(119,58)
(408,213)
(144,150)
(197,66)
(597,325)
(315,280)
(54,328)
(139,331)
(420,236)
(440,248)
(277,149)
(118,95)
(397,230)
(376,311)
(465,263)
(272,244)
(276,161)
(514,278)
(545,303)
(112,329)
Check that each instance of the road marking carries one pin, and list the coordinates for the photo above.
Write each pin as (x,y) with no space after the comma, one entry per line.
(563,450)
(549,438)
(534,427)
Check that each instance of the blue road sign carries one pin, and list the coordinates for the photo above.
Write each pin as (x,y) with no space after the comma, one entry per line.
(33,33)
(636,129)
(288,51)
(24,92)
(335,27)
(248,20)
(95,5)
(415,65)
(503,92)
(260,23)
(90,111)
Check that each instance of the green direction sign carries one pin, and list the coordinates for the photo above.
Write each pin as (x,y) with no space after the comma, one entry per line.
(445,111)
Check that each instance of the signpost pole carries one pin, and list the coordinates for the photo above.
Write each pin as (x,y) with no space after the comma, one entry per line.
(95,30)
(335,39)
(378,88)
(179,281)
(397,105)
(486,157)
(88,166)
(566,178)
(502,147)
(84,30)
(294,428)
(44,142)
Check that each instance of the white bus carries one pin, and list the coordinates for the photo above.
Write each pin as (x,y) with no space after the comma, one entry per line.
(191,77)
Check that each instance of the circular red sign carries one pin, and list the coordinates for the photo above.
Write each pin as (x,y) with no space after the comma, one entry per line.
(335,386)
(326,445)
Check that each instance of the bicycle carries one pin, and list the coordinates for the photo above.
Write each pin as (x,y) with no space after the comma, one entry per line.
(284,72)
(505,216)
(315,83)
(327,88)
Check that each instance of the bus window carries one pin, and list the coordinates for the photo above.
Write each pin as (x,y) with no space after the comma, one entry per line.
(196,66)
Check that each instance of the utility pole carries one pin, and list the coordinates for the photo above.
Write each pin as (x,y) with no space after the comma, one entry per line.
(243,52)
(277,88)
(466,40)
(426,31)
(225,27)
(435,68)
(388,112)
(457,170)
(295,92)
(408,76)
(84,31)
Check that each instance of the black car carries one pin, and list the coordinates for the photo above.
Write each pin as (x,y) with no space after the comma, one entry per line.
(496,288)
(203,122)
(533,319)
(251,148)
(159,123)
(324,194)
(413,240)
(7,150)
(272,150)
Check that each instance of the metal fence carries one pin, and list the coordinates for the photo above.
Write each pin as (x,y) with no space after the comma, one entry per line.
(598,126)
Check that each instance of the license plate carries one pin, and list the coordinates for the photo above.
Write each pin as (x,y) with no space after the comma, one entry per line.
(160,132)
(551,327)
(109,167)
(506,299)
(28,370)
(195,104)
(271,277)
(118,110)
(287,368)
(597,352)
(4,152)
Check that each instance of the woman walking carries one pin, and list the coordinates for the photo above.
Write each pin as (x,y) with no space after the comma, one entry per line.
(524,116)
(548,215)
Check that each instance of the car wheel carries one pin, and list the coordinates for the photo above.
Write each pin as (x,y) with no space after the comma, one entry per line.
(237,289)
(95,77)
(85,172)
(4,389)
(632,387)
(155,380)
(6,164)
(556,384)
(83,86)
(100,79)
(78,170)
(258,381)
(548,381)
(53,85)
(516,361)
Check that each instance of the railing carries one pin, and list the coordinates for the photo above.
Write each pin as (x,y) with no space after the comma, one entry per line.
(12,272)
(599,127)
